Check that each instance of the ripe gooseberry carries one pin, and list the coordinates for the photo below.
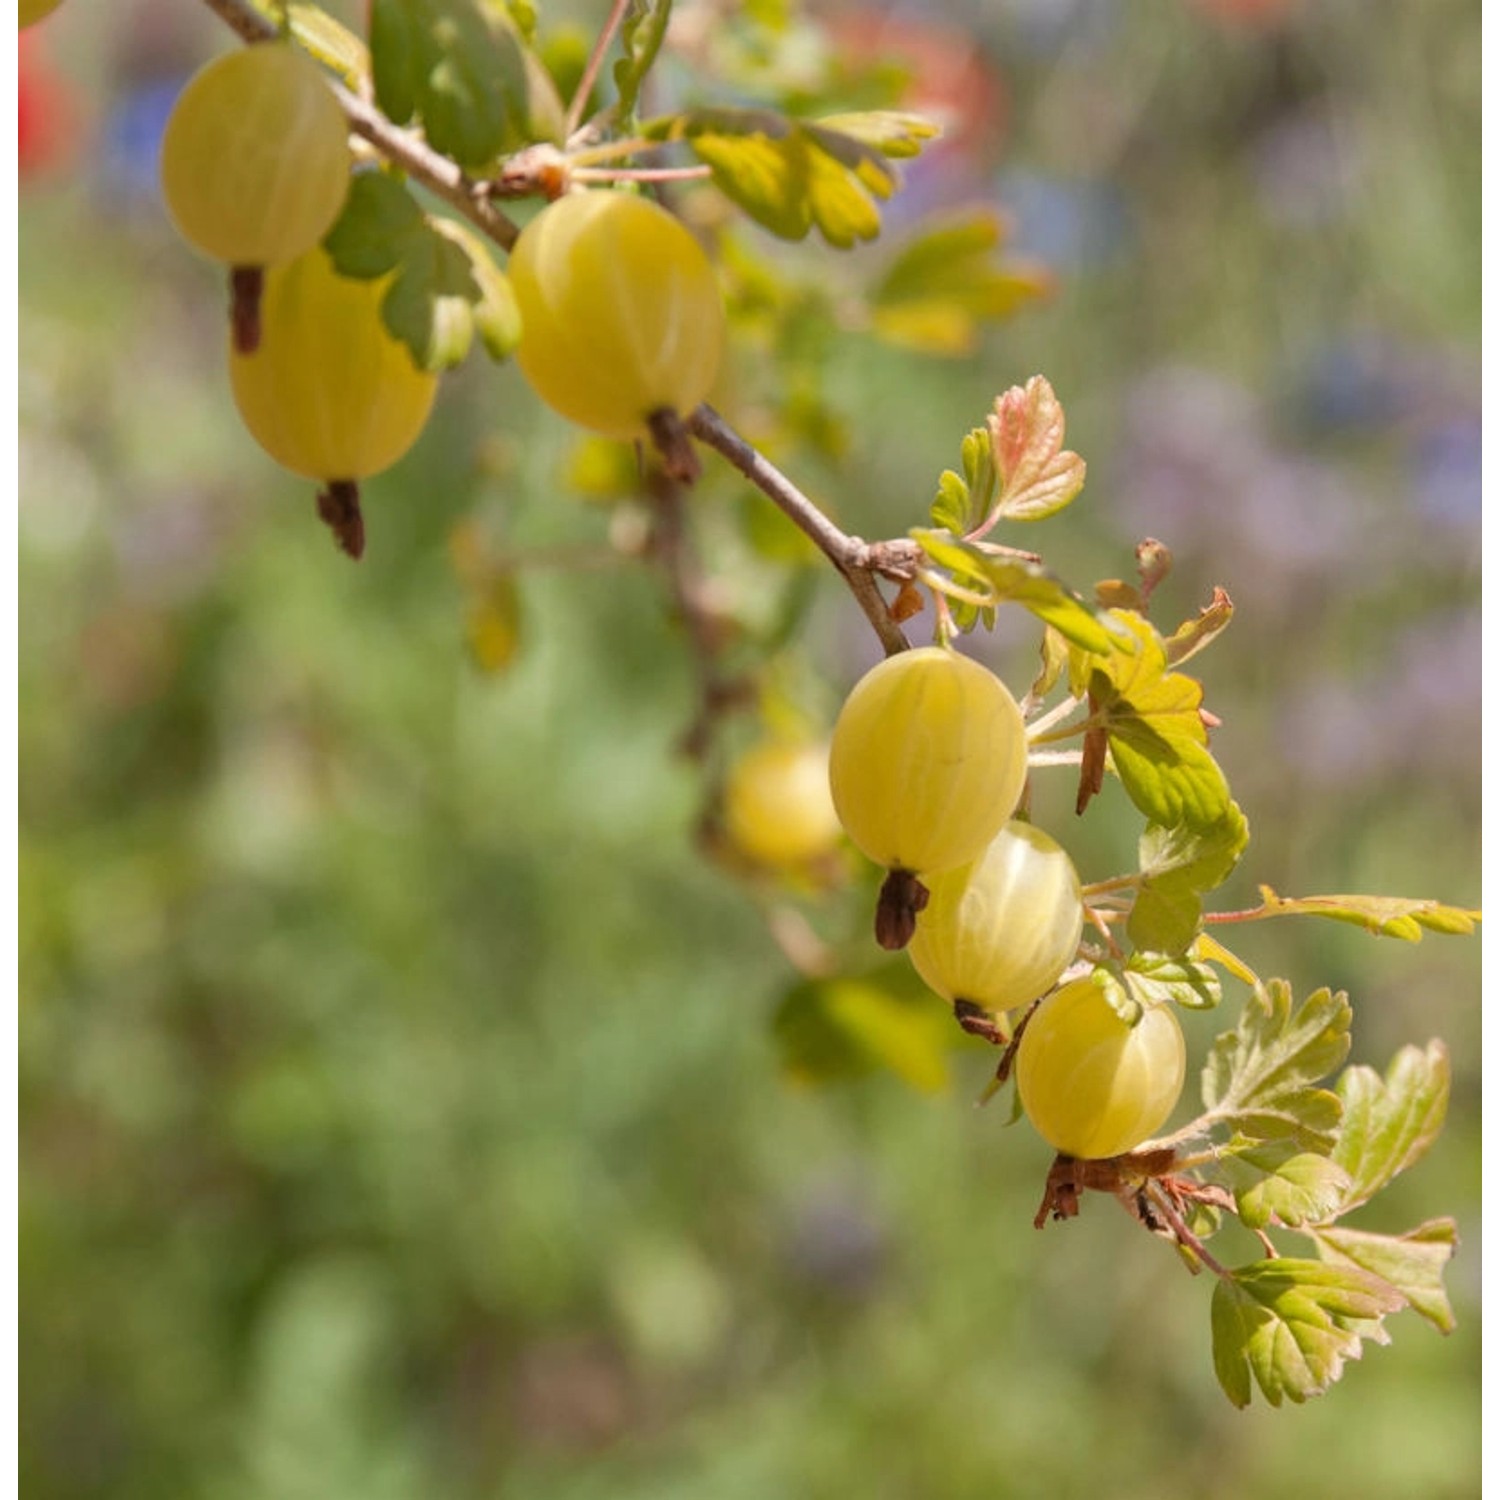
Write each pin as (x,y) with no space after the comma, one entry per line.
(255,164)
(1092,1084)
(927,762)
(330,394)
(998,932)
(622,320)
(777,808)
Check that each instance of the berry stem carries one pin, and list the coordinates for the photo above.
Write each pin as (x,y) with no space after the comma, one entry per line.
(585,87)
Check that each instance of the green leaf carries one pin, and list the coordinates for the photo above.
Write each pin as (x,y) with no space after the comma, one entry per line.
(946,283)
(1286,1323)
(962,503)
(1260,1078)
(1159,978)
(496,314)
(791,175)
(458,68)
(891,132)
(1177,865)
(1193,635)
(1157,738)
(1386,916)
(837,1028)
(1038,477)
(993,578)
(443,281)
(1390,1123)
(641,36)
(1411,1263)
(322,38)
(1303,1189)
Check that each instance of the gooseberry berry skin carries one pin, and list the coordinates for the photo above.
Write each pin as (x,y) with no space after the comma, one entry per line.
(329,394)
(255,156)
(1092,1084)
(927,761)
(777,807)
(621,312)
(999,932)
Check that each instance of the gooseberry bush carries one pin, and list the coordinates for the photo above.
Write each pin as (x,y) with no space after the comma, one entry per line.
(381,200)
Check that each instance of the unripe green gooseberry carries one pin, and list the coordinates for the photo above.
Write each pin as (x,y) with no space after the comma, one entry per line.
(999,932)
(621,312)
(1092,1084)
(330,394)
(255,156)
(777,807)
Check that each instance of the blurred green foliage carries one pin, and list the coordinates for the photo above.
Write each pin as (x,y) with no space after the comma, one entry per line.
(400,1113)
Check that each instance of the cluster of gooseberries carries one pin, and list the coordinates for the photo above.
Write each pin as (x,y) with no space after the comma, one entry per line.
(926,768)
(623,324)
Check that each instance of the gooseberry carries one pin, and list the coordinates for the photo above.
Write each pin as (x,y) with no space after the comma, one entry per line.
(1092,1084)
(777,807)
(255,164)
(330,394)
(998,932)
(927,762)
(621,313)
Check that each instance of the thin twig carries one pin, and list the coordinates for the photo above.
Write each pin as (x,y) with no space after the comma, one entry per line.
(855,559)
(431,168)
(639,174)
(585,87)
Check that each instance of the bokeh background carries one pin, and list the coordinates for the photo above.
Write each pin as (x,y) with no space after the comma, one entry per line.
(400,1109)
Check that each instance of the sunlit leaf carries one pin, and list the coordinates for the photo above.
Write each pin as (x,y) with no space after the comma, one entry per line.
(1178,864)
(1202,630)
(1038,476)
(1000,577)
(1303,1189)
(1159,978)
(1389,1123)
(1386,916)
(1261,1078)
(1286,1323)
(792,175)
(1412,1263)
(322,37)
(963,501)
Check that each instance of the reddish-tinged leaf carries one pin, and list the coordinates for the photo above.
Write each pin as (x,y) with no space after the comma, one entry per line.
(1037,475)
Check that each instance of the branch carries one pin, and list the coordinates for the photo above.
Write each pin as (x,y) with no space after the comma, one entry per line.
(857,560)
(409,152)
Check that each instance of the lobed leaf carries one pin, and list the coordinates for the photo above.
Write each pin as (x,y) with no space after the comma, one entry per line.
(1158,741)
(1302,1188)
(458,68)
(1412,1264)
(946,283)
(1178,864)
(792,175)
(1291,1324)
(443,282)
(1386,916)
(1038,477)
(1389,1123)
(1260,1078)
(992,578)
